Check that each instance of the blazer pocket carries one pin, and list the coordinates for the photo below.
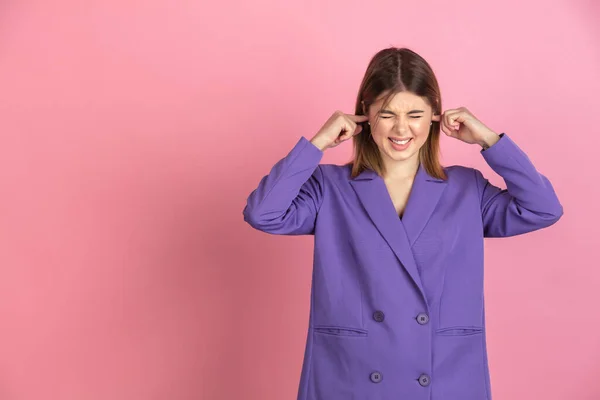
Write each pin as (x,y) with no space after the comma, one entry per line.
(340,331)
(460,331)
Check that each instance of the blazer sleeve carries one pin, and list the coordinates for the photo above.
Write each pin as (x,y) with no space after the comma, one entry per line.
(287,200)
(529,203)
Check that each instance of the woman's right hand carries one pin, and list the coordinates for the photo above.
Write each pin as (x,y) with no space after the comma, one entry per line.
(338,128)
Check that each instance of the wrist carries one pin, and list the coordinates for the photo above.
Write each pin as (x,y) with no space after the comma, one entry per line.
(489,141)
(317,144)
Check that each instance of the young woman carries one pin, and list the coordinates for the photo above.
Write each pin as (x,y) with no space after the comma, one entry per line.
(397,305)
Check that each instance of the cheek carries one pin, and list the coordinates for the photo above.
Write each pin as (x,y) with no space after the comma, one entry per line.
(419,126)
(379,133)
(421,130)
(384,127)
(379,137)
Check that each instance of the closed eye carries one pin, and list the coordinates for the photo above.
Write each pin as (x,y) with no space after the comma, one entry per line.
(391,117)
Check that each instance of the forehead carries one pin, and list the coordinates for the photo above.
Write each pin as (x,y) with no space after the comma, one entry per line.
(403,101)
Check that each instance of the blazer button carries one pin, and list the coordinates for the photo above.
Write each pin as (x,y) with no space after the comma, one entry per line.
(422,318)
(376,377)
(378,316)
(424,380)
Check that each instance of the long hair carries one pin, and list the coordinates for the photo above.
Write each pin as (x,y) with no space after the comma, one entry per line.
(396,70)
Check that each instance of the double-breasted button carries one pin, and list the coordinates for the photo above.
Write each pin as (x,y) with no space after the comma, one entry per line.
(378,316)
(422,318)
(376,377)
(424,380)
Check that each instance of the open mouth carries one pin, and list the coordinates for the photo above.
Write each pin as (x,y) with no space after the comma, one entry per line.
(400,142)
(400,145)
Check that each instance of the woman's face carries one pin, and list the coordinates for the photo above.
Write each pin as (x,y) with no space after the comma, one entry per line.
(406,120)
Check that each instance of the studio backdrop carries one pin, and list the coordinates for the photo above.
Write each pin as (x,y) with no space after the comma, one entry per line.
(132,133)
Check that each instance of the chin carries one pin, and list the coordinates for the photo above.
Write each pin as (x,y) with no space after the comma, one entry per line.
(402,157)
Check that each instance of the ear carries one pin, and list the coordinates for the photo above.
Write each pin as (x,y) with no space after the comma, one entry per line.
(364,110)
(436,117)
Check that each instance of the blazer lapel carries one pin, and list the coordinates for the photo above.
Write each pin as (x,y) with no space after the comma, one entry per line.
(400,235)
(425,194)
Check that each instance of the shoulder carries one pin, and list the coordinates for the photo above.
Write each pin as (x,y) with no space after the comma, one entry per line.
(460,175)
(459,172)
(334,172)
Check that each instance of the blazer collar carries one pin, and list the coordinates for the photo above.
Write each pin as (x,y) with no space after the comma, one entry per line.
(422,174)
(400,234)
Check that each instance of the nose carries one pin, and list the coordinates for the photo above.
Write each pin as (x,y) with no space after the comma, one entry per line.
(401,124)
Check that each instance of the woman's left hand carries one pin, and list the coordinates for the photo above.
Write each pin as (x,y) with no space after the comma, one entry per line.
(461,124)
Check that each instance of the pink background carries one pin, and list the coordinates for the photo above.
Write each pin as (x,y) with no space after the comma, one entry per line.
(132,132)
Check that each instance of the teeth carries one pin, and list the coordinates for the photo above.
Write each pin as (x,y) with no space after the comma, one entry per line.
(400,141)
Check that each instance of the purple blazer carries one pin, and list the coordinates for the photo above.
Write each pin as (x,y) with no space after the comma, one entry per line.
(397,305)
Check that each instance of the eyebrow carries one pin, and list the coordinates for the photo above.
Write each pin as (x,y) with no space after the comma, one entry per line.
(393,113)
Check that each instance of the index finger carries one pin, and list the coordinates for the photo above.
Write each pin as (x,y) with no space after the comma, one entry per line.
(357,118)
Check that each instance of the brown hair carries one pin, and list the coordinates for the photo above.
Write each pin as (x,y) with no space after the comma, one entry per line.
(396,70)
